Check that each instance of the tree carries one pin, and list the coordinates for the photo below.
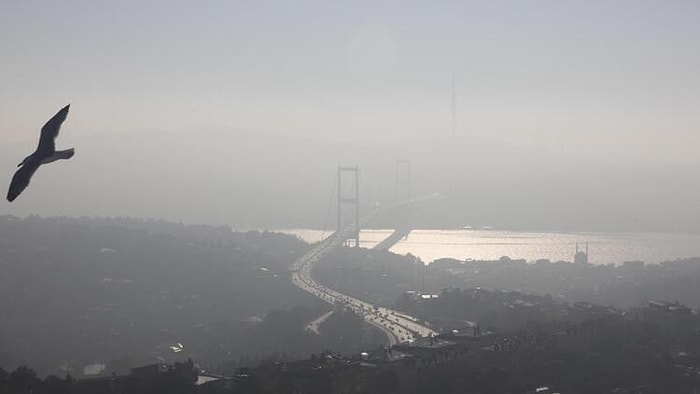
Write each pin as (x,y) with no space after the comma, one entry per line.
(23,380)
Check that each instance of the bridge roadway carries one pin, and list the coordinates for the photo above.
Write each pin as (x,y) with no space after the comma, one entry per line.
(397,326)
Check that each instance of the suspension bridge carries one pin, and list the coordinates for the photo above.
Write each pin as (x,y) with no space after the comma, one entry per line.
(397,326)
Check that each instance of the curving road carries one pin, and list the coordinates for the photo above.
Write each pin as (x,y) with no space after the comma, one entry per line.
(397,326)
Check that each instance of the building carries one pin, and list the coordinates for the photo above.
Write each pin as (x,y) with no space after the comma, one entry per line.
(581,257)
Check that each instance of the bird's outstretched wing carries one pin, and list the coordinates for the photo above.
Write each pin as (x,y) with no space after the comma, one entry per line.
(20,180)
(50,131)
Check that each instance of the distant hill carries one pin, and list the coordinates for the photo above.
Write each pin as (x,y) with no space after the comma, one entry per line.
(259,180)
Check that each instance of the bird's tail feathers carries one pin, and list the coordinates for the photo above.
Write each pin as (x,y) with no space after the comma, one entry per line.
(59,155)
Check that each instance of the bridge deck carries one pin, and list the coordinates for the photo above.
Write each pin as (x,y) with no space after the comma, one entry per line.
(393,239)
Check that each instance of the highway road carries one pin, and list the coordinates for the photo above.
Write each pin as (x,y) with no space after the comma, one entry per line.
(397,326)
(314,325)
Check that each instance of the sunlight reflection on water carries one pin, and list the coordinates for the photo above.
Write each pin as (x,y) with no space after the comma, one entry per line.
(604,248)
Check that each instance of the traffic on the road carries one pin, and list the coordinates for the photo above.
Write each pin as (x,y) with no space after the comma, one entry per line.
(397,326)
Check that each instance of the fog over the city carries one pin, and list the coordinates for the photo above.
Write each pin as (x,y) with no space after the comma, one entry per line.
(239,112)
(252,196)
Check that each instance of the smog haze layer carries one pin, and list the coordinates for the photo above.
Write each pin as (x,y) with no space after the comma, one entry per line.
(567,115)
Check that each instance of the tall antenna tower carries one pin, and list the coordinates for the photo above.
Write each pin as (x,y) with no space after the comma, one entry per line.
(454,106)
(403,180)
(353,199)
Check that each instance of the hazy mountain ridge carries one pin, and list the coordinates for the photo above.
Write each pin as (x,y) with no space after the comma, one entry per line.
(257,180)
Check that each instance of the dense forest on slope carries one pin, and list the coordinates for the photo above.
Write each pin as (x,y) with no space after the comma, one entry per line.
(127,292)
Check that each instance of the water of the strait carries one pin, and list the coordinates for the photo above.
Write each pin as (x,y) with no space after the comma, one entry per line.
(464,244)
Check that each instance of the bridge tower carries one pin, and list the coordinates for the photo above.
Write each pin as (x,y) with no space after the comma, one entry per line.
(403,180)
(348,197)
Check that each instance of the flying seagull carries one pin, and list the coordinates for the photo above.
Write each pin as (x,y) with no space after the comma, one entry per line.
(45,153)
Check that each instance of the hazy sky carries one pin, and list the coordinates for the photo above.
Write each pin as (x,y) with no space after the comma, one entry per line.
(588,107)
(544,73)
